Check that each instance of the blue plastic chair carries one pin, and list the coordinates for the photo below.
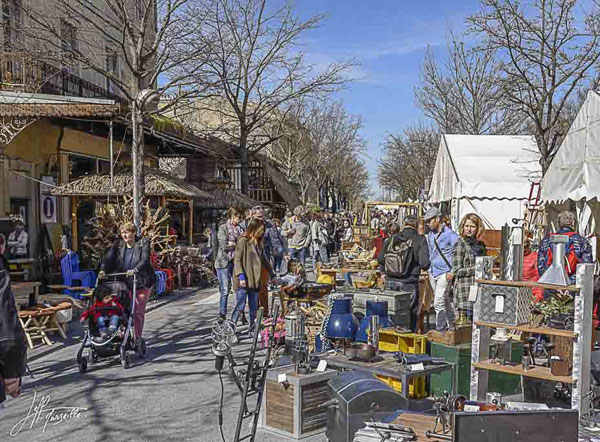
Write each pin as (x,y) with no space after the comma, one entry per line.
(78,273)
(161,282)
(70,272)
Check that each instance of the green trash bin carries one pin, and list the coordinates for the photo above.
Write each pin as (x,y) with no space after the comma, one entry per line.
(460,355)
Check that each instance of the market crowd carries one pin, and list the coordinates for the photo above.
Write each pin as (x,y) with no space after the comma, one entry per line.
(449,257)
(251,248)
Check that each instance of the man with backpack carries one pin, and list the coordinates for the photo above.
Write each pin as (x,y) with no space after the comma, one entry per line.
(578,249)
(441,240)
(402,257)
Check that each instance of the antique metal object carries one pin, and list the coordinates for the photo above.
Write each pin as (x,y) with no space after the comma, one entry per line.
(556,273)
(357,398)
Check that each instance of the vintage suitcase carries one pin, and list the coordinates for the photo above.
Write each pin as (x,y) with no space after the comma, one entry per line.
(398,304)
(504,304)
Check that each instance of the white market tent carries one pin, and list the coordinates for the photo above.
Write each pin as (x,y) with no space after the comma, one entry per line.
(574,174)
(489,175)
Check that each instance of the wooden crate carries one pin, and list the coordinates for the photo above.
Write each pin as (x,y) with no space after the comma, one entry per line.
(461,335)
(291,408)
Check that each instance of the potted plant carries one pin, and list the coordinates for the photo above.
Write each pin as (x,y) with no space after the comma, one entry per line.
(558,310)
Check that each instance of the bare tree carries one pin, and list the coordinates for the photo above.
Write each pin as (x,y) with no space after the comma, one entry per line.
(130,43)
(251,56)
(292,146)
(546,55)
(465,95)
(318,137)
(409,160)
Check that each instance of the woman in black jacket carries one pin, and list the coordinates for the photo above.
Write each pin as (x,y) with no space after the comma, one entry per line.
(131,255)
(13,346)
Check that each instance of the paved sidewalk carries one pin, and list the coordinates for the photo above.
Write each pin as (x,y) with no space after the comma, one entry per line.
(173,395)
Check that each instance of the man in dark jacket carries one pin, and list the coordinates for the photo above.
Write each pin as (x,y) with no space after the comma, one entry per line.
(409,280)
(13,346)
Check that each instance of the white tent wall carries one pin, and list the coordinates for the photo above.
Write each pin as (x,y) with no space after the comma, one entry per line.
(575,170)
(485,174)
(494,213)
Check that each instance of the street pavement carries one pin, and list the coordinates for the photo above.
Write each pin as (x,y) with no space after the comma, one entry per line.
(172,395)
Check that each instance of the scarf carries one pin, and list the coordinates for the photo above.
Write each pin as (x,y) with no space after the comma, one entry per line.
(477,247)
(233,233)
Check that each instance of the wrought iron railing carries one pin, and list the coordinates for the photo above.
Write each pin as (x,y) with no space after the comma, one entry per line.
(21,72)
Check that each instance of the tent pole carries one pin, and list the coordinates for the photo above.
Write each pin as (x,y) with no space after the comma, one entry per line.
(111,149)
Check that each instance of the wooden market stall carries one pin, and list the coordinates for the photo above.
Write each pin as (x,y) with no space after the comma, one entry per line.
(163,190)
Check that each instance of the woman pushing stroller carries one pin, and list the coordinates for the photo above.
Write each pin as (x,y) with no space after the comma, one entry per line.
(131,254)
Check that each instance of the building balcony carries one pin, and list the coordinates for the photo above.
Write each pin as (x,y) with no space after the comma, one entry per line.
(22,73)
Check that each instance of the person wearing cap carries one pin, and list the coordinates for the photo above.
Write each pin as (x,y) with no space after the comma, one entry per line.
(441,241)
(17,241)
(409,281)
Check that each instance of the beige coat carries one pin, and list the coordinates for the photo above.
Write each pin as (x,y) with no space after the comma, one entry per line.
(249,259)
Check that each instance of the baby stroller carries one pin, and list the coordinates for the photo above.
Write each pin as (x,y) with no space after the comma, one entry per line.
(123,342)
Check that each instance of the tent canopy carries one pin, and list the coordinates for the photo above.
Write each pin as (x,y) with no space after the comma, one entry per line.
(575,171)
(484,167)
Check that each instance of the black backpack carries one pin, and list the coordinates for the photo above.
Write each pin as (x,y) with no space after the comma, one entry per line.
(399,257)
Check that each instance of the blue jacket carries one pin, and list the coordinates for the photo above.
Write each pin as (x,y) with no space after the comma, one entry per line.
(447,239)
(577,244)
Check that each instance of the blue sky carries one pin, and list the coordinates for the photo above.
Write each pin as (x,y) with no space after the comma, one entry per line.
(388,39)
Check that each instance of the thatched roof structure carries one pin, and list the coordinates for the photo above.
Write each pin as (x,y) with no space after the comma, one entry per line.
(157,183)
(283,186)
(33,105)
(225,198)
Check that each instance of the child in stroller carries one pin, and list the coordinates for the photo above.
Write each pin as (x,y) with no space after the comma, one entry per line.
(111,302)
(106,309)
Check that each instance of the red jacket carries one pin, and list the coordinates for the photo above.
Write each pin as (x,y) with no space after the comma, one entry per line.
(96,313)
(530,273)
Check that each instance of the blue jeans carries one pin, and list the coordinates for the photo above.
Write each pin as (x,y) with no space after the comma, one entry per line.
(319,251)
(347,278)
(240,304)
(113,324)
(277,260)
(300,254)
(224,276)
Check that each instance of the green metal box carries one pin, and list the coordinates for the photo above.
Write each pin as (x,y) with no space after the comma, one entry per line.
(460,355)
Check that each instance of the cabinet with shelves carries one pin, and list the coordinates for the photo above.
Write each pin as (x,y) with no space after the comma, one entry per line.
(580,336)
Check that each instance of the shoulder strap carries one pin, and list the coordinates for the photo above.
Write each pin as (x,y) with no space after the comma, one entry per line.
(437,246)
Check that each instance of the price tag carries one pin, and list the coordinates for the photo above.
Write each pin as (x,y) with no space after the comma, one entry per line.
(281,378)
(322,365)
(499,304)
(473,293)
(417,367)
(471,408)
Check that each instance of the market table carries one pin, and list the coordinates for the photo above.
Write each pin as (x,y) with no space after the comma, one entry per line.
(420,423)
(22,290)
(284,298)
(20,265)
(387,365)
(333,272)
